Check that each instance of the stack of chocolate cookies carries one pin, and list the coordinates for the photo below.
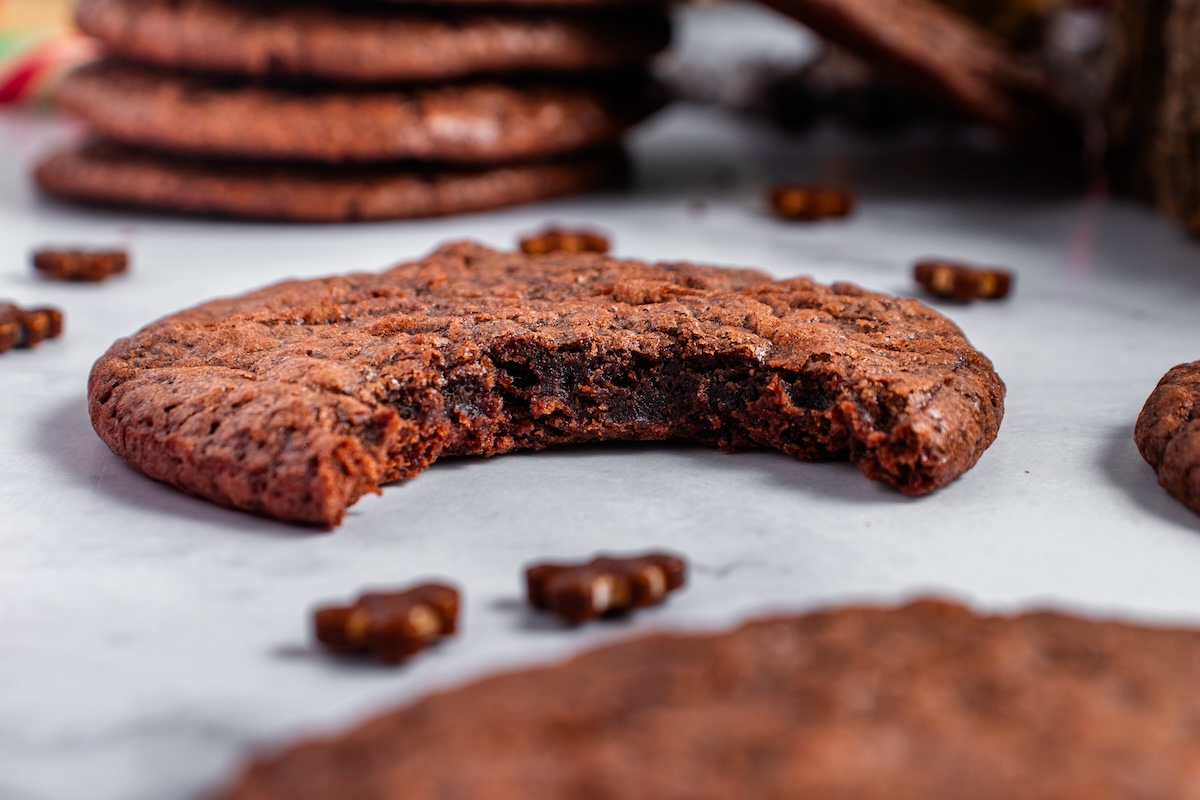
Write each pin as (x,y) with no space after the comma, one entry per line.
(331,111)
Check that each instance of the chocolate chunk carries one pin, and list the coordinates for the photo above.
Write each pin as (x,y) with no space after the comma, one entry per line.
(389,626)
(604,586)
(80,265)
(962,282)
(562,240)
(25,328)
(809,203)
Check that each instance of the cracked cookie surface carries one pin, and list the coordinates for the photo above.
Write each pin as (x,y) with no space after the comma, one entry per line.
(1168,433)
(295,400)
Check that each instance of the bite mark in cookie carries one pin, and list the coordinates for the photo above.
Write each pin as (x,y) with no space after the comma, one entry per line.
(1168,433)
(295,400)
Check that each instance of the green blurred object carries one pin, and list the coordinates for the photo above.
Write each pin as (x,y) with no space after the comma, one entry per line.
(37,44)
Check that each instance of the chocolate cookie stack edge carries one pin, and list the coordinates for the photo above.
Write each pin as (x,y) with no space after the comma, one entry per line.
(326,112)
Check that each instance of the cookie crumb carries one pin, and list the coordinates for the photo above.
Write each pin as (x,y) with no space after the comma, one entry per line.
(25,328)
(564,240)
(79,264)
(604,586)
(962,282)
(390,626)
(809,203)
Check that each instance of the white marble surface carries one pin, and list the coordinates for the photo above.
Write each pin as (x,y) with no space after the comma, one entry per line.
(148,640)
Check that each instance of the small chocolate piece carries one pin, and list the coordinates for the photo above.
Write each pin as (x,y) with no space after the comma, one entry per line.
(809,203)
(9,328)
(25,328)
(604,586)
(563,240)
(962,282)
(91,266)
(390,626)
(54,321)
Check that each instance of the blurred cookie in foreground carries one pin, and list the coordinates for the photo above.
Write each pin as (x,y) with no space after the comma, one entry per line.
(962,282)
(564,240)
(106,173)
(606,586)
(1168,433)
(390,626)
(80,264)
(809,203)
(927,701)
(24,328)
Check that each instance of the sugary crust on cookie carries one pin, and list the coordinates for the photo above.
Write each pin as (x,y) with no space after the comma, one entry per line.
(112,174)
(264,38)
(1168,433)
(928,701)
(294,400)
(468,123)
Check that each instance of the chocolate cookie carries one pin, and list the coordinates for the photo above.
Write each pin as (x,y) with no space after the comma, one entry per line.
(946,57)
(476,122)
(295,400)
(368,42)
(928,701)
(1168,433)
(112,174)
